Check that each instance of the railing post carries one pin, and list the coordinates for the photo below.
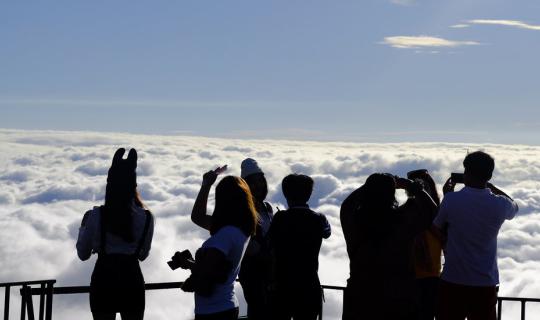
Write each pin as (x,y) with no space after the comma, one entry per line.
(6,303)
(42,301)
(48,309)
(322,304)
(499,309)
(522,309)
(27,296)
(23,303)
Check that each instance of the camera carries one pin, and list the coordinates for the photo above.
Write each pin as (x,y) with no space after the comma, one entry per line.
(182,260)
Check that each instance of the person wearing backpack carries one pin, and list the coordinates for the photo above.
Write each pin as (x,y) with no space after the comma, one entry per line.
(296,236)
(120,232)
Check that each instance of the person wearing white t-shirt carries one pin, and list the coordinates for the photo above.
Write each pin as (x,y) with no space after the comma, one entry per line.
(217,262)
(470,219)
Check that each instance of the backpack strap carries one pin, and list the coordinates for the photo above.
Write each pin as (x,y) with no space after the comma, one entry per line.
(145,232)
(269,209)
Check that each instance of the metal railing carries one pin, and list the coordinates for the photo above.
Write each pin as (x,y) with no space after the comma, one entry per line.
(27,306)
(45,290)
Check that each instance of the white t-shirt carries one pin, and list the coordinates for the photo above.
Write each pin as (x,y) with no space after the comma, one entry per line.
(474,217)
(89,240)
(232,242)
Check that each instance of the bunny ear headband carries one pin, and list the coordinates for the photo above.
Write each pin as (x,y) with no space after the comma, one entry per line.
(123,170)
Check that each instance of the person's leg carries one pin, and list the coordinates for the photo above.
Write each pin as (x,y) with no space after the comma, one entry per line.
(452,301)
(483,304)
(427,289)
(231,314)
(103,315)
(307,304)
(255,295)
(132,315)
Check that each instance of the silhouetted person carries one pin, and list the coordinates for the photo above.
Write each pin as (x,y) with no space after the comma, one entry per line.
(295,239)
(256,266)
(217,262)
(471,219)
(380,239)
(427,252)
(120,232)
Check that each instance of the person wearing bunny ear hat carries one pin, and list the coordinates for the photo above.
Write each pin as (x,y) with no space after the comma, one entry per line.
(120,232)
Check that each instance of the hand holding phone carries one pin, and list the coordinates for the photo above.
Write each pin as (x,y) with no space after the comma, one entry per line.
(457,177)
(220,170)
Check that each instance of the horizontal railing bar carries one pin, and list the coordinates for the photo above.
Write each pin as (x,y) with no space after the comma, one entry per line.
(177,285)
(518,299)
(21,283)
(86,289)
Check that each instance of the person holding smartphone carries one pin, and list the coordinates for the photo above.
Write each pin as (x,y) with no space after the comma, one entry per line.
(255,272)
(471,219)
(217,262)
(427,251)
(379,235)
(120,233)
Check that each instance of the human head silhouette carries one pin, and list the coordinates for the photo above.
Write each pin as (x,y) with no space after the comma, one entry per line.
(254,176)
(479,168)
(297,189)
(234,206)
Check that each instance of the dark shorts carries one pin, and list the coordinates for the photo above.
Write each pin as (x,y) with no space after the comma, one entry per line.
(117,285)
(457,302)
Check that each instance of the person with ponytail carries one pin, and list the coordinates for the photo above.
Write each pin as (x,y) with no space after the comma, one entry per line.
(120,233)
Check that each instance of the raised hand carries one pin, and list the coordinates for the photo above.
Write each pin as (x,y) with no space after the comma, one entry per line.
(449,186)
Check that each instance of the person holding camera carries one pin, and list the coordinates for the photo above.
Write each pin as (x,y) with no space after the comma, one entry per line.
(217,262)
(296,236)
(427,251)
(380,236)
(471,219)
(255,271)
(120,232)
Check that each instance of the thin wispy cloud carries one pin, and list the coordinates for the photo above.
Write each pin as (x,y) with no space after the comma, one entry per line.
(416,42)
(460,26)
(508,23)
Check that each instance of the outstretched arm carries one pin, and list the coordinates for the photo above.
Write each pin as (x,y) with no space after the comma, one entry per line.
(198,214)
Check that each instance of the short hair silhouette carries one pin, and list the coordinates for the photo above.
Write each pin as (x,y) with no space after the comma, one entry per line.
(297,188)
(234,206)
(479,165)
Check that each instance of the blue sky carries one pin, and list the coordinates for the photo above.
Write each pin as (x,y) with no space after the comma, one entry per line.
(371,70)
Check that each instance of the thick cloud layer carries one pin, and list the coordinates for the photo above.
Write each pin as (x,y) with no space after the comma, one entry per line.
(49,179)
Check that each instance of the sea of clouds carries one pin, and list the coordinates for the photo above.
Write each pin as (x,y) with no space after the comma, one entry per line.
(49,179)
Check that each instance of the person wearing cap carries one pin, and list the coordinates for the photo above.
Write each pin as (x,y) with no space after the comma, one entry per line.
(120,233)
(255,270)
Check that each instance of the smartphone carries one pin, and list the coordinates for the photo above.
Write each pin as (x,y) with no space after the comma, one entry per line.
(220,170)
(456,177)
